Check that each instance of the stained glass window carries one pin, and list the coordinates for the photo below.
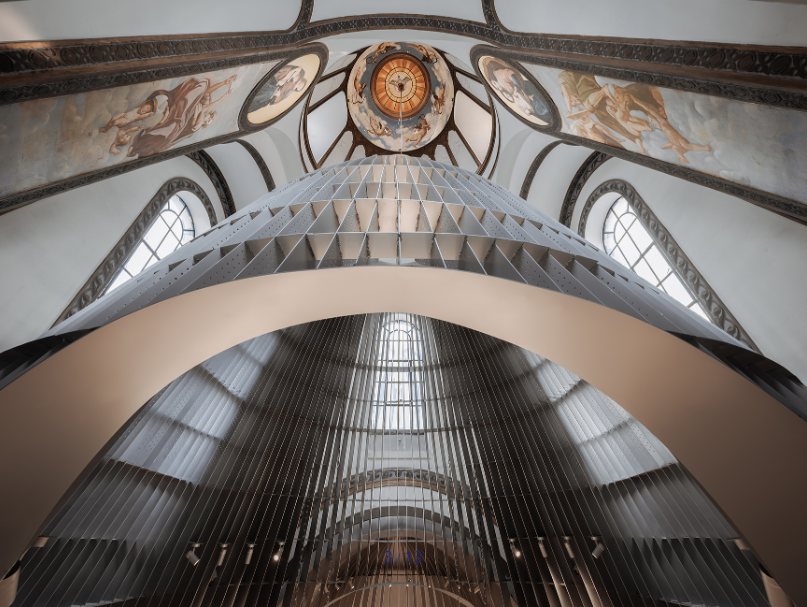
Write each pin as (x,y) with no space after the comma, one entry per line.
(172,229)
(628,241)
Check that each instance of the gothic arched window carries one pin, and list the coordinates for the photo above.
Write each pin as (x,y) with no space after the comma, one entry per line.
(399,390)
(626,240)
(172,229)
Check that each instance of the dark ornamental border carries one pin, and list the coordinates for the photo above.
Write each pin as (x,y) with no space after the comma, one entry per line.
(703,292)
(260,162)
(536,164)
(785,64)
(586,170)
(213,172)
(106,272)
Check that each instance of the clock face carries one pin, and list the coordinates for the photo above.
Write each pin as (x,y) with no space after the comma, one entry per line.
(400,86)
(400,95)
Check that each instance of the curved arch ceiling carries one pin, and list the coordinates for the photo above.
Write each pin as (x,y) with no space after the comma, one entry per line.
(102,379)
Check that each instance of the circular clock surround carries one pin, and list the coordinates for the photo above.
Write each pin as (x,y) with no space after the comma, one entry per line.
(400,86)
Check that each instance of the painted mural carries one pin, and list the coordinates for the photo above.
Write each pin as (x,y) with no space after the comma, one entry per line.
(753,145)
(516,91)
(48,140)
(400,95)
(283,89)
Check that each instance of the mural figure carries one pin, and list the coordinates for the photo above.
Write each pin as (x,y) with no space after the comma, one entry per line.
(515,90)
(377,128)
(647,98)
(428,55)
(357,94)
(189,108)
(123,137)
(418,132)
(282,89)
(613,106)
(147,109)
(382,50)
(439,100)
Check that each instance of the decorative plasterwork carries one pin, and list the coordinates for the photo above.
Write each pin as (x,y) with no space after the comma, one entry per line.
(685,269)
(536,164)
(259,161)
(586,170)
(116,259)
(213,172)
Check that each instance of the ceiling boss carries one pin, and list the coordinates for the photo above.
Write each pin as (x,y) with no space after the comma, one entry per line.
(411,95)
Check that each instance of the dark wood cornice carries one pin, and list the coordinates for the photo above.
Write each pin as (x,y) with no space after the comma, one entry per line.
(260,163)
(213,172)
(536,164)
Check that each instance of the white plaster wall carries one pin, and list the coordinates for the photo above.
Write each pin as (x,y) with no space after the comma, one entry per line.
(470,10)
(554,176)
(49,249)
(69,19)
(740,21)
(242,174)
(523,157)
(752,258)
(267,148)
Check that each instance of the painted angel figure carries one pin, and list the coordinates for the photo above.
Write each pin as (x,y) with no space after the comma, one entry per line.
(147,109)
(428,56)
(419,131)
(439,101)
(377,128)
(382,50)
(189,108)
(357,95)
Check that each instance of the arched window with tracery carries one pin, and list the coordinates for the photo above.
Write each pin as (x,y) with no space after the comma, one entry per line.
(172,228)
(628,241)
(398,401)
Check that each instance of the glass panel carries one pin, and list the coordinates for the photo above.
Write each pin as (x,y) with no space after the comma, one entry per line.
(610,222)
(620,206)
(169,245)
(640,236)
(698,309)
(629,250)
(676,289)
(619,231)
(156,233)
(177,229)
(617,254)
(643,270)
(609,242)
(658,262)
(138,259)
(176,204)
(121,278)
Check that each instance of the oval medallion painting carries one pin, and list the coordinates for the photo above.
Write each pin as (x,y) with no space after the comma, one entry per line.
(400,95)
(516,91)
(283,89)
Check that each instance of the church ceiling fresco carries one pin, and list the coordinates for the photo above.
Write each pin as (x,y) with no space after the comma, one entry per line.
(749,150)
(50,140)
(400,95)
(753,145)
